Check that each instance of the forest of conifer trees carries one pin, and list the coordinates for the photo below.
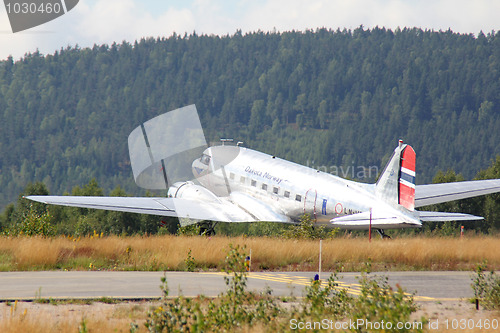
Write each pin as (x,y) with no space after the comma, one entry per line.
(328,98)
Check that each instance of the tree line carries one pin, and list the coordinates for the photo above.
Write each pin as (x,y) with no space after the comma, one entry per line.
(329,98)
(28,217)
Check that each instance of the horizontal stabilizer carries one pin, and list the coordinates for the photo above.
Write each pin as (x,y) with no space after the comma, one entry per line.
(379,220)
(443,217)
(437,193)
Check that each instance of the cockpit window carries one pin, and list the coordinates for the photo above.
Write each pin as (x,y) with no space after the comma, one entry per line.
(205,159)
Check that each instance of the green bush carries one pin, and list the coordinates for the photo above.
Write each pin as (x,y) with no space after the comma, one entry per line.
(380,303)
(307,230)
(33,224)
(232,309)
(486,288)
(190,262)
(329,301)
(189,230)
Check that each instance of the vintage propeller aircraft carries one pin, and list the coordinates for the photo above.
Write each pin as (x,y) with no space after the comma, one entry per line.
(229,183)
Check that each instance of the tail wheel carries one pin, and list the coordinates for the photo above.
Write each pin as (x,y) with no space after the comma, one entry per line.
(382,234)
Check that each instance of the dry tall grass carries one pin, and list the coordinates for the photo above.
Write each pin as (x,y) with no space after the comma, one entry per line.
(170,253)
(39,318)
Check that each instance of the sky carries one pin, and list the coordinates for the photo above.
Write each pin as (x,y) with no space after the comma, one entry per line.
(107,21)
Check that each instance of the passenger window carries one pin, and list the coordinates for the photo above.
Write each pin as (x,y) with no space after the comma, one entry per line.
(254,183)
(242,180)
(298,197)
(275,190)
(287,194)
(264,187)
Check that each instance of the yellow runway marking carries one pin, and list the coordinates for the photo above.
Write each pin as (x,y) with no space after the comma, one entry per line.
(296,280)
(352,288)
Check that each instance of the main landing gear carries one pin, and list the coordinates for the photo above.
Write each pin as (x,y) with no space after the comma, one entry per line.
(383,234)
(207,228)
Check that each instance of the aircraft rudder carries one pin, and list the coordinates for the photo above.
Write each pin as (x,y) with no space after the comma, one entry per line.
(407,178)
(396,184)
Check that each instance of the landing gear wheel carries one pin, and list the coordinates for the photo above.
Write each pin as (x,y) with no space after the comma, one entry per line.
(207,228)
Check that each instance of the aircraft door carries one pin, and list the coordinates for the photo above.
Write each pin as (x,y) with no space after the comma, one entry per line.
(310,203)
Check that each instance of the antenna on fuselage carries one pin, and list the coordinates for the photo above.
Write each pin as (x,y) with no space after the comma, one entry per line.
(226,140)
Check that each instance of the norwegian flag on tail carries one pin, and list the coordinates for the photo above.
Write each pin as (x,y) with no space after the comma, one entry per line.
(407,179)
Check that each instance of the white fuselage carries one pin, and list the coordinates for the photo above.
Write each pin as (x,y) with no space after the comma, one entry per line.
(249,176)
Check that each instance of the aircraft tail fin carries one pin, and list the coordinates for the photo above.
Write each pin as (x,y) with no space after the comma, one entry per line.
(396,184)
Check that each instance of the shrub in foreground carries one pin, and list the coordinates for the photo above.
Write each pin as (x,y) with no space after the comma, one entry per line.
(237,309)
(232,309)
(486,288)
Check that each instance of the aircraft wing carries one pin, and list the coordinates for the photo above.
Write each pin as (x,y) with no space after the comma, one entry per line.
(437,193)
(223,211)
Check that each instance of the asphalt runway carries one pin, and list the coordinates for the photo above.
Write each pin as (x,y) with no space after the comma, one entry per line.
(428,286)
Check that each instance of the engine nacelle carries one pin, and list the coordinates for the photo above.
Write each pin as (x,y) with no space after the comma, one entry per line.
(189,190)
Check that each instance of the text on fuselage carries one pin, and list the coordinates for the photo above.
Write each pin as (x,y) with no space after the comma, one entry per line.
(266,175)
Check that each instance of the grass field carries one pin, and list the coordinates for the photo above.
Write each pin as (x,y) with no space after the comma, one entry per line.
(183,252)
(208,253)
